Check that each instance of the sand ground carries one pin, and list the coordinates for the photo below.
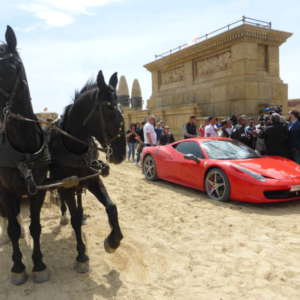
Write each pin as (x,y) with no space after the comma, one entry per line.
(178,245)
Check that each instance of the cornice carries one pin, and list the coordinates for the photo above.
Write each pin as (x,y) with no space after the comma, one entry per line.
(243,33)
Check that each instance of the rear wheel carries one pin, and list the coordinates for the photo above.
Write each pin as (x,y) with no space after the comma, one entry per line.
(217,185)
(149,168)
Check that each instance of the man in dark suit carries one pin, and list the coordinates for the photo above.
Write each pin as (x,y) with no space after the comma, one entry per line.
(276,138)
(190,128)
(294,135)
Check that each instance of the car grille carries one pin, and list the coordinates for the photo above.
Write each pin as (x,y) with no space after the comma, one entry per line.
(281,194)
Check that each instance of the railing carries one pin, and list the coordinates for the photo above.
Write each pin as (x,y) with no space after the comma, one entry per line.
(244,20)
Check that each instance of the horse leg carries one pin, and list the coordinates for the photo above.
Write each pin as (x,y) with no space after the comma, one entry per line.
(40,271)
(112,242)
(79,206)
(82,260)
(18,272)
(63,208)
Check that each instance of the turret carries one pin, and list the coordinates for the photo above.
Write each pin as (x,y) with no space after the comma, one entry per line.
(136,95)
(123,92)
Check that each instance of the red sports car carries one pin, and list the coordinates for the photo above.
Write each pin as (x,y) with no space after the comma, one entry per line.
(224,168)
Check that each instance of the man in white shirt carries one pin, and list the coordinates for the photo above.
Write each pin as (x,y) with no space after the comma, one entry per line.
(210,129)
(150,137)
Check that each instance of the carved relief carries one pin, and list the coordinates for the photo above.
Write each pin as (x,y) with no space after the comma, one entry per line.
(174,75)
(213,64)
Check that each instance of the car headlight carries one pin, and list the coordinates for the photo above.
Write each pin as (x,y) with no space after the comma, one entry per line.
(253,174)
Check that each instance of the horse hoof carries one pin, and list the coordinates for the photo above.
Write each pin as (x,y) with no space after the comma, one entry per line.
(64,220)
(40,277)
(18,278)
(82,267)
(108,248)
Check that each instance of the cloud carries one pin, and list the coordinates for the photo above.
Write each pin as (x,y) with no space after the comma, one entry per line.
(60,13)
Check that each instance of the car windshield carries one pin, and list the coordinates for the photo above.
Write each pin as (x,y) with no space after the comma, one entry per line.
(228,149)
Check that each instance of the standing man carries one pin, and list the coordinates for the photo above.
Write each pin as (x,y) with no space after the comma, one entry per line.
(190,128)
(211,129)
(150,137)
(239,131)
(294,135)
(159,129)
(276,138)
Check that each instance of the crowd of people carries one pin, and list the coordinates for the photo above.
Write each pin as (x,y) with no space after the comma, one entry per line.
(270,134)
(150,133)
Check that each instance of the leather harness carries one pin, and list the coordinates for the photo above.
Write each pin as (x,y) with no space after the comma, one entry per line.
(25,162)
(9,156)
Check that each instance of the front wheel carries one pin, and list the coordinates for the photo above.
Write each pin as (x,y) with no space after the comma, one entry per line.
(217,185)
(149,168)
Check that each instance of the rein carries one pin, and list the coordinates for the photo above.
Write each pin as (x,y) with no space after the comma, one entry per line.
(51,125)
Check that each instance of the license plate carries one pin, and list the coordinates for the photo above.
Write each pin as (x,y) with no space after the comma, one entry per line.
(295,188)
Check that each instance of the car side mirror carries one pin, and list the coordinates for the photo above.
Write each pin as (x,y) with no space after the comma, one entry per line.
(192,157)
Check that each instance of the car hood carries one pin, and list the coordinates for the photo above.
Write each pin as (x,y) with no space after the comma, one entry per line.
(271,167)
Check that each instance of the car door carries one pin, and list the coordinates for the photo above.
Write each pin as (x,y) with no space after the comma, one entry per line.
(188,172)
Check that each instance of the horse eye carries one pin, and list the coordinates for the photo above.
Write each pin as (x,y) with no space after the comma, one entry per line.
(2,50)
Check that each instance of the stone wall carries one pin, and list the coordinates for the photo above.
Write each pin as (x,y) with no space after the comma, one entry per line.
(234,72)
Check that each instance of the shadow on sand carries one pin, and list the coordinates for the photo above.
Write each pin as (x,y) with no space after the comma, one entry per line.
(59,252)
(271,209)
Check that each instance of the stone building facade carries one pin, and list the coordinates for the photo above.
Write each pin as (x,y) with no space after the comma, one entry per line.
(235,72)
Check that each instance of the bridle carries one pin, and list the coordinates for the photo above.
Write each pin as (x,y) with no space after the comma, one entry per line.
(98,107)
(9,96)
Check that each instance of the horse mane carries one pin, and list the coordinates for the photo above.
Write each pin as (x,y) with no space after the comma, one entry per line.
(90,85)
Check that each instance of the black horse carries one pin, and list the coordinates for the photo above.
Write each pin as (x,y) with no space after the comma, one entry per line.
(94,113)
(23,158)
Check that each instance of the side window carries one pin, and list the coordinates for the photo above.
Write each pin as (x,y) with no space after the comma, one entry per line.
(189,148)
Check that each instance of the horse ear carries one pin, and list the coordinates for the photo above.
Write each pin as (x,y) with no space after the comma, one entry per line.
(113,81)
(100,80)
(11,39)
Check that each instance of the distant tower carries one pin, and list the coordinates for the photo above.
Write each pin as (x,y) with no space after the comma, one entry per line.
(123,92)
(136,95)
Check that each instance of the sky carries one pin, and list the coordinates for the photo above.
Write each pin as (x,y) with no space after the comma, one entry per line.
(63,43)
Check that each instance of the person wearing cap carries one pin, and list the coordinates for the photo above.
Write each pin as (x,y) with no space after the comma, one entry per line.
(166,137)
(150,137)
(276,138)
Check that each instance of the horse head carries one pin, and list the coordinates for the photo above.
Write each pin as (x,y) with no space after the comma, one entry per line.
(108,123)
(12,73)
